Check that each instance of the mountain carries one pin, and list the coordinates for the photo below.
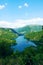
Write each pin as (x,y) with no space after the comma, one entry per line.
(19,31)
(29,28)
(7,33)
(23,29)
(16,32)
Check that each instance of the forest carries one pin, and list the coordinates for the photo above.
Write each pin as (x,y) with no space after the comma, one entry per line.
(29,56)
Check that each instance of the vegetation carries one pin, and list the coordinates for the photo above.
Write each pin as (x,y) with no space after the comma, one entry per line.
(29,28)
(7,33)
(34,36)
(30,56)
(5,47)
(6,40)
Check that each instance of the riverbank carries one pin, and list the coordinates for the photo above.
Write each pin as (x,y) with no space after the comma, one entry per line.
(29,56)
(36,37)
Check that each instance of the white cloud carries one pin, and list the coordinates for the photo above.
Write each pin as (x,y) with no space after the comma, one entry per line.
(26,4)
(5,24)
(2,7)
(21,23)
(19,6)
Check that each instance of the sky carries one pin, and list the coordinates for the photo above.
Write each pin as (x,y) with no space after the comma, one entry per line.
(19,13)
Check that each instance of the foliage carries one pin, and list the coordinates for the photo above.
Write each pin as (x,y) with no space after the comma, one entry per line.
(30,56)
(5,47)
(34,36)
(6,42)
(7,33)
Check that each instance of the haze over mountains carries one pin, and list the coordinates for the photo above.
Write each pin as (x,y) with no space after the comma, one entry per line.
(29,28)
(25,29)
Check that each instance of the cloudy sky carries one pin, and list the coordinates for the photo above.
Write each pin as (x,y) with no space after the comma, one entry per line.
(19,13)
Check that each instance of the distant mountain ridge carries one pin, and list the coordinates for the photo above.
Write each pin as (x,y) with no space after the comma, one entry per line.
(29,29)
(23,30)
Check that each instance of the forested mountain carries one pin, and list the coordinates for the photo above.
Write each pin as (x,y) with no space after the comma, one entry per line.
(7,33)
(29,29)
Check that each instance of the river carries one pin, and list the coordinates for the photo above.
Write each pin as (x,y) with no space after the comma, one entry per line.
(22,43)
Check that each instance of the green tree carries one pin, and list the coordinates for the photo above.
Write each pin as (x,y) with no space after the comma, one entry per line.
(5,47)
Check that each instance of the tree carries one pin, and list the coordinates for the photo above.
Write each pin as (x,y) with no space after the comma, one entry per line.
(5,47)
(42,27)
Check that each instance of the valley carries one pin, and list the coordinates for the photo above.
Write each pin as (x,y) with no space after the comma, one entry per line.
(17,48)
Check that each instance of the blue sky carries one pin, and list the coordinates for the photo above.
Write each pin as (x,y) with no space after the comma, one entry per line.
(20,12)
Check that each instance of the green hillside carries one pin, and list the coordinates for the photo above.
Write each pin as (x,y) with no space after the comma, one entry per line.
(7,33)
(30,56)
(34,35)
(29,28)
(7,39)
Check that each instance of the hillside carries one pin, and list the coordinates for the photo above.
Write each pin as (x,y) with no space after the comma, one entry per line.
(7,33)
(29,29)
(36,37)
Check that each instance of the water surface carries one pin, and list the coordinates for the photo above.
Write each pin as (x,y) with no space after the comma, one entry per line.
(22,43)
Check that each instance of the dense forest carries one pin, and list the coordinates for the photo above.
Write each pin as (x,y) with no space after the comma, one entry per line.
(29,56)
